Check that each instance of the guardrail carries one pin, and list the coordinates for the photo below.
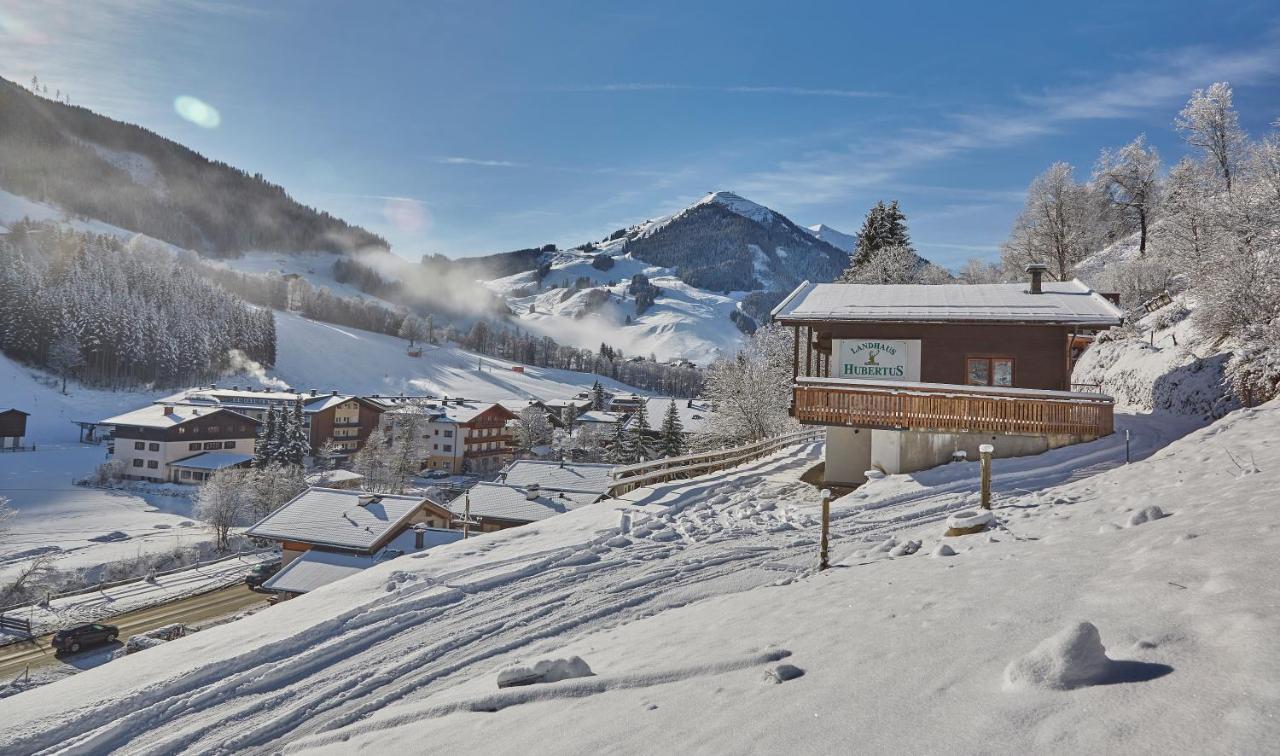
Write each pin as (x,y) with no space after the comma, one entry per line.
(631,477)
(945,408)
(116,583)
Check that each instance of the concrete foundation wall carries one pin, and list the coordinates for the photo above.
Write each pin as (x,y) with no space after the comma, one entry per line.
(848,456)
(850,452)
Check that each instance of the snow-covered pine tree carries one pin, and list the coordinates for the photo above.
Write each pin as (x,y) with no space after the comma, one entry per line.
(639,446)
(264,451)
(597,396)
(295,441)
(671,440)
(616,449)
(885,226)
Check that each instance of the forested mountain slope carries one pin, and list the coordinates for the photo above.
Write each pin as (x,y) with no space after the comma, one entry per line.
(127,176)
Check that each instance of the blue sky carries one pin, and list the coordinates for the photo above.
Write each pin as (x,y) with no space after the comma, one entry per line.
(471,127)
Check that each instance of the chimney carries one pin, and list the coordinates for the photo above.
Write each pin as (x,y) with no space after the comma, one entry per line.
(532,491)
(365,500)
(1037,273)
(335,392)
(313,392)
(419,536)
(168,410)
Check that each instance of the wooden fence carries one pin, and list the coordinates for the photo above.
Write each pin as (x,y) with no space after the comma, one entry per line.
(631,477)
(952,409)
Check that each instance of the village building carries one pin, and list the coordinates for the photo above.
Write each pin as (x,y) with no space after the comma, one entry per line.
(555,409)
(326,534)
(181,444)
(13,428)
(531,490)
(905,376)
(469,437)
(627,403)
(344,419)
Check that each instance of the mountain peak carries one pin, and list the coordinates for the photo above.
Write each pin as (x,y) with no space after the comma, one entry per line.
(738,204)
(838,239)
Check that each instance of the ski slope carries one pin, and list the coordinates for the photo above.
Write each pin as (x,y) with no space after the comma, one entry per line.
(685,597)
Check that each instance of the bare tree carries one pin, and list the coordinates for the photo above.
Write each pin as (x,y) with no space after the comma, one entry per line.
(532,429)
(1060,224)
(751,391)
(1210,122)
(1129,177)
(976,271)
(224,502)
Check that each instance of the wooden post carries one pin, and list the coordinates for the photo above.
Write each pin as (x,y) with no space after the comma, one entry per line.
(466,517)
(823,562)
(985,451)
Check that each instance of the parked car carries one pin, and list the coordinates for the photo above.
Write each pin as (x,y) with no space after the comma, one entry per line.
(150,639)
(261,573)
(438,474)
(72,639)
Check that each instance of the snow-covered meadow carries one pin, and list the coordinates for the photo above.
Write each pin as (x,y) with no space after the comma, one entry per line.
(686,602)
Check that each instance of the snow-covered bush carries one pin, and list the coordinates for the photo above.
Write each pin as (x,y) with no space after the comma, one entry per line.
(751,391)
(107,473)
(1254,371)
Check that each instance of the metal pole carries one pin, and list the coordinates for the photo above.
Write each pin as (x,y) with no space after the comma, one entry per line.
(466,517)
(1126,446)
(823,562)
(985,451)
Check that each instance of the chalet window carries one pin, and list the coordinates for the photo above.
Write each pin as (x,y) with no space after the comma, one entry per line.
(228,444)
(181,430)
(137,463)
(214,429)
(139,445)
(152,464)
(448,434)
(153,447)
(194,446)
(989,371)
(185,474)
(211,445)
(448,447)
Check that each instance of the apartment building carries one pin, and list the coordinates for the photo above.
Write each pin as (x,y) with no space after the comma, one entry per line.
(181,444)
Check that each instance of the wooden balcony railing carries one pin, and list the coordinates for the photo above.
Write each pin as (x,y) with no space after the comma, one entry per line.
(946,408)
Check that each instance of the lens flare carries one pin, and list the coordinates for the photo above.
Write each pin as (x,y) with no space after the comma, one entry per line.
(197,111)
(405,214)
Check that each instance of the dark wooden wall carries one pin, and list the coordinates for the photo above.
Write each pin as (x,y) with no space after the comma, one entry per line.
(12,424)
(1039,352)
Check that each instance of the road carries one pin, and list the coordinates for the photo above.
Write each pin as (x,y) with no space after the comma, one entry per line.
(14,658)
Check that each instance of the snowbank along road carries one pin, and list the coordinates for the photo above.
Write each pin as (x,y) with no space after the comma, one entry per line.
(413,632)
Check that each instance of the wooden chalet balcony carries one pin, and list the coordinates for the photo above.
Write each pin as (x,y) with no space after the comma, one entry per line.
(947,408)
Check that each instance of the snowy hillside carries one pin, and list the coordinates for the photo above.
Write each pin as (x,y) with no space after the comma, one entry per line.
(706,259)
(684,322)
(704,628)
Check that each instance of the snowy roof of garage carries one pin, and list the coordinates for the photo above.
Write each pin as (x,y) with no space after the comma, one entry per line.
(1061,302)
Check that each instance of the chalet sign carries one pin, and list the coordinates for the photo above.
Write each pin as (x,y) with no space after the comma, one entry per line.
(877,359)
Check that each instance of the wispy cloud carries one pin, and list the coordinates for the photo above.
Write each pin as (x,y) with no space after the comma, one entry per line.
(1157,80)
(455,160)
(730,89)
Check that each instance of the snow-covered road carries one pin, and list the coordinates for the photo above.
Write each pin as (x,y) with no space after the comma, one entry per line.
(418,626)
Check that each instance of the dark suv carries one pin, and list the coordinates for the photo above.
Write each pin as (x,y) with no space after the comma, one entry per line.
(261,573)
(72,639)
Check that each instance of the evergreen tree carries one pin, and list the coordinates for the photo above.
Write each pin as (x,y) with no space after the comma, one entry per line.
(265,448)
(597,396)
(295,442)
(636,442)
(616,451)
(671,441)
(885,226)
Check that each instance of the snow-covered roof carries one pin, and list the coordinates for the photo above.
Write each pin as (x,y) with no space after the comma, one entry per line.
(213,460)
(1065,302)
(506,502)
(318,568)
(155,416)
(466,412)
(559,476)
(338,517)
(236,398)
(328,477)
(600,416)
